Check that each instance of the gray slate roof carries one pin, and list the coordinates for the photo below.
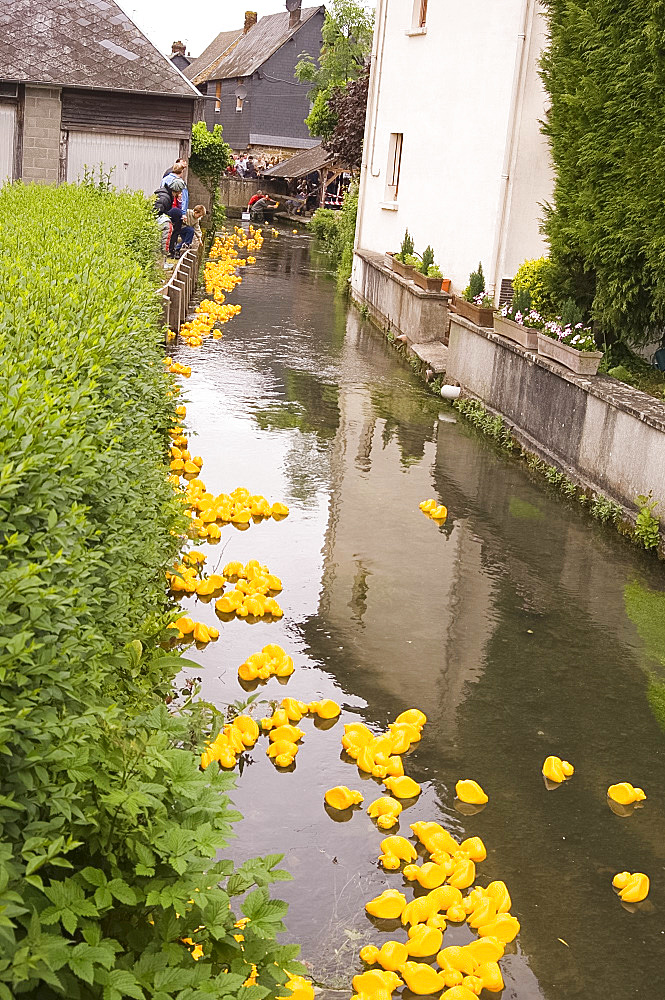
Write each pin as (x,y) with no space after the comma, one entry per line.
(255,47)
(83,43)
(200,69)
(301,164)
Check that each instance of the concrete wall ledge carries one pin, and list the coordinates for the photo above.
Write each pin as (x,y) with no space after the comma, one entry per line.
(640,404)
(395,303)
(606,435)
(378,260)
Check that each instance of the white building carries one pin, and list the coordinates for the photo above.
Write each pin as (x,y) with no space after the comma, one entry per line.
(453,148)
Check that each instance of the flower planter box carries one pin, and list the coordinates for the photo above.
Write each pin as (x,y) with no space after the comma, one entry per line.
(404,270)
(477,314)
(426,283)
(525,336)
(580,362)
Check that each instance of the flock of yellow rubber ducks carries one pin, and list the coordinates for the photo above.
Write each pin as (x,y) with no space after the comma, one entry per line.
(463,971)
(284,735)
(221,277)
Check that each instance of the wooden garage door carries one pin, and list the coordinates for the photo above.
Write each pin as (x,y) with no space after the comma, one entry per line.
(136,162)
(7,127)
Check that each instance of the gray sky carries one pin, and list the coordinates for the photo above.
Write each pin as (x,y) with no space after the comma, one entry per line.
(195,22)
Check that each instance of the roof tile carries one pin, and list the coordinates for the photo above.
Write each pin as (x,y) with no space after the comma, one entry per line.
(84,43)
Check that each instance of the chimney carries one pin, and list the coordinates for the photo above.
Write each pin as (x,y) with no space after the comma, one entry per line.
(251,17)
(178,49)
(293,7)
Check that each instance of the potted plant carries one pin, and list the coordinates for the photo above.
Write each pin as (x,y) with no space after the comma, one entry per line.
(569,342)
(427,275)
(474,303)
(404,262)
(519,322)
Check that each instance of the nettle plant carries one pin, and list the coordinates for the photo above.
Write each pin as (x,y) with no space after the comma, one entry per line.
(112,877)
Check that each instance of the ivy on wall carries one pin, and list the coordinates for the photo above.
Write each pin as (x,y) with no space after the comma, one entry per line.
(604,72)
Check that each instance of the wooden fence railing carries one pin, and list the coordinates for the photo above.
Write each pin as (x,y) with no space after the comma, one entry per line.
(178,290)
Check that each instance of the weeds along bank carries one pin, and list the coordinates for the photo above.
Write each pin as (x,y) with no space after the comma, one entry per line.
(111,833)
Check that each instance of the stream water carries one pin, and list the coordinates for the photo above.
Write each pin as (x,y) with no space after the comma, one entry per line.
(521,627)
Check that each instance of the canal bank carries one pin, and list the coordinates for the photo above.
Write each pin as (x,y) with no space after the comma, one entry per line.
(520,631)
(601,435)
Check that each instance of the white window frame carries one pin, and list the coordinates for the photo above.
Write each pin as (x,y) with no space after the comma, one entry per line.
(419,18)
(393,170)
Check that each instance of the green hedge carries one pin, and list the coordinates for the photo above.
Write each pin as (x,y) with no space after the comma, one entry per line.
(108,828)
(603,72)
(336,231)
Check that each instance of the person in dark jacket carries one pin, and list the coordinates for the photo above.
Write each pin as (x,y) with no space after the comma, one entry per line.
(163,201)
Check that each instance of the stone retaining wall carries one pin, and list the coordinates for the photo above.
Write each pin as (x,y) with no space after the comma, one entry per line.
(604,434)
(397,304)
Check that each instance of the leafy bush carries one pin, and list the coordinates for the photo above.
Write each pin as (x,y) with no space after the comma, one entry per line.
(605,124)
(324,224)
(534,277)
(337,232)
(209,158)
(109,829)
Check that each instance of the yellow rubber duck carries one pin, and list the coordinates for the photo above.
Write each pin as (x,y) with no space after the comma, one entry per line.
(249,729)
(279,510)
(356,735)
(505,927)
(423,908)
(294,709)
(286,732)
(557,770)
(463,874)
(625,794)
(385,811)
(421,979)
(470,791)
(457,958)
(394,851)
(429,875)
(325,709)
(403,787)
(498,892)
(458,993)
(486,949)
(413,716)
(301,989)
(632,888)
(474,848)
(403,735)
(439,513)
(427,505)
(490,977)
(434,838)
(376,984)
(388,906)
(341,797)
(391,956)
(424,941)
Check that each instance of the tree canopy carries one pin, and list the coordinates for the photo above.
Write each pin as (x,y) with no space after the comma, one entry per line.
(347,43)
(604,72)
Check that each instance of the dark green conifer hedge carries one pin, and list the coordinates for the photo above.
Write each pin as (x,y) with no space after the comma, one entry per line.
(605,76)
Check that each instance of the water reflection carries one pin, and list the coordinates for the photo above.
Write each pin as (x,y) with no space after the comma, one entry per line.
(519,626)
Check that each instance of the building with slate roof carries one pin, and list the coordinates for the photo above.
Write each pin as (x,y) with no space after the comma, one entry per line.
(81,86)
(248,80)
